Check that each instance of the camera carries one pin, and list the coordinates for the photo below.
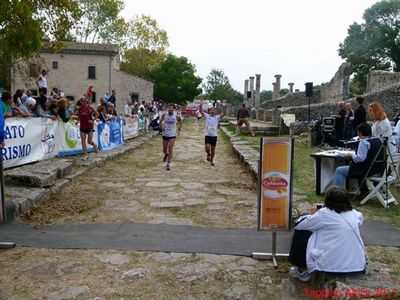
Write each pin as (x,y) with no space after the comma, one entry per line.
(319,206)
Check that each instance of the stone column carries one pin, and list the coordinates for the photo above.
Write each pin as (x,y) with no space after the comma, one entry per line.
(278,84)
(257,95)
(246,88)
(252,91)
(291,84)
(273,91)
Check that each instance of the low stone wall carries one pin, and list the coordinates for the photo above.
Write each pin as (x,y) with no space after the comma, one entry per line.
(380,79)
(389,97)
(293,99)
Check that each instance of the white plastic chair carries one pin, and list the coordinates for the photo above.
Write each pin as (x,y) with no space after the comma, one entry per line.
(379,186)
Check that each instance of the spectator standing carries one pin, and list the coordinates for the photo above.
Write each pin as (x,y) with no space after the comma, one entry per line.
(89,93)
(106,97)
(113,98)
(359,116)
(128,108)
(41,82)
(348,120)
(339,116)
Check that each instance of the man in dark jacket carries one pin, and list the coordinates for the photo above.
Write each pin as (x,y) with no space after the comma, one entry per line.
(359,114)
(243,118)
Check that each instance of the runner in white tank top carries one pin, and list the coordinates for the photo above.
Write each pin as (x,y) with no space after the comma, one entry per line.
(168,123)
(211,132)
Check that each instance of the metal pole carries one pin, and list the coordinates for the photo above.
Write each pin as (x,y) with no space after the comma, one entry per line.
(2,199)
(3,245)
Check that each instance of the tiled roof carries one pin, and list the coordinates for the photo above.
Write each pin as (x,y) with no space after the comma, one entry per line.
(82,48)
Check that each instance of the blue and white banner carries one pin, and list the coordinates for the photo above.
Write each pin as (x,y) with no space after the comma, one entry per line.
(110,134)
(31,139)
(28,140)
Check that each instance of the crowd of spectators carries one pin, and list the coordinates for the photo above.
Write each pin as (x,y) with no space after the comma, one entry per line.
(24,104)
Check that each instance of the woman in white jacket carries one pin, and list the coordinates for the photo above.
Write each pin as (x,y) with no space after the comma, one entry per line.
(335,245)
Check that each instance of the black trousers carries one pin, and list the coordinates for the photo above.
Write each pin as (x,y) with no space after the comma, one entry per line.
(297,255)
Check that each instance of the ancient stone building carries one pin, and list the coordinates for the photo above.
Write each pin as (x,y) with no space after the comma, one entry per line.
(77,66)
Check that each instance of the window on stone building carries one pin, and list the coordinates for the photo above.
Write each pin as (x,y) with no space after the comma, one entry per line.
(55,64)
(134,97)
(33,70)
(92,72)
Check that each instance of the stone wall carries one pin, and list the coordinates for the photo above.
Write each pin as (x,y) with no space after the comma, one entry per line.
(389,97)
(292,99)
(338,88)
(379,79)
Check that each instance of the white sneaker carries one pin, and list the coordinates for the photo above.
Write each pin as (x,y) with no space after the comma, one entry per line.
(302,276)
(85,158)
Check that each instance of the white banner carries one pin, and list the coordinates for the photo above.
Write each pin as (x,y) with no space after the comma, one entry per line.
(28,140)
(131,127)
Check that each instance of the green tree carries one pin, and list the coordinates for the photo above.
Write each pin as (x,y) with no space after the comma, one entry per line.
(374,44)
(145,46)
(175,80)
(283,92)
(100,22)
(25,24)
(265,95)
(218,87)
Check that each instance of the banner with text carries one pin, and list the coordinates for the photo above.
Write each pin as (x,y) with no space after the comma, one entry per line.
(110,134)
(69,138)
(131,127)
(28,140)
(275,179)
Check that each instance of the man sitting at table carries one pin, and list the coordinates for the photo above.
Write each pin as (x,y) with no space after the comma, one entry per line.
(367,159)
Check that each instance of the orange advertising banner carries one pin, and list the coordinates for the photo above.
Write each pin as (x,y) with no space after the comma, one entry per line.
(275,184)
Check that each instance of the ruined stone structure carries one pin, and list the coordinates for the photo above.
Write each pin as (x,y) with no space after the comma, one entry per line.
(324,100)
(291,84)
(251,102)
(246,89)
(77,66)
(257,92)
(277,87)
(380,79)
(338,89)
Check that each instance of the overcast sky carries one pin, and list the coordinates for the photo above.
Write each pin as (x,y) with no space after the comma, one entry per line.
(295,38)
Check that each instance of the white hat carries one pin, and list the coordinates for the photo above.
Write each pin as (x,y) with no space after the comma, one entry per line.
(30,100)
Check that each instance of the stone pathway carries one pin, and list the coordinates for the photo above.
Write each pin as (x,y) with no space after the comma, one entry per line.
(136,187)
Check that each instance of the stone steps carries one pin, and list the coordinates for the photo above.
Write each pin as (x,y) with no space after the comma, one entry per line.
(43,174)
(29,185)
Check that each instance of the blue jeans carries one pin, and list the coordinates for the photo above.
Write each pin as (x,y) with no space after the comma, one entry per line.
(341,175)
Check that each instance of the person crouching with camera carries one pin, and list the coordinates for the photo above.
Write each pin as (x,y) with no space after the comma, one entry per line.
(328,240)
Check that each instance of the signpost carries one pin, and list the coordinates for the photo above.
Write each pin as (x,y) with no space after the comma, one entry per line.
(275,190)
(3,245)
